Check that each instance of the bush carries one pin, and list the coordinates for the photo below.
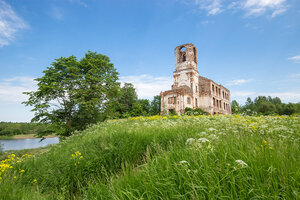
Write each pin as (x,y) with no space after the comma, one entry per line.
(192,112)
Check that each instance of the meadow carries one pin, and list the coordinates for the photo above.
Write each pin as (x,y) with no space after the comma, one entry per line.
(164,157)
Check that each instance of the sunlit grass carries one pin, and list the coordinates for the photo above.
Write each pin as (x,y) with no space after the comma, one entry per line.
(201,157)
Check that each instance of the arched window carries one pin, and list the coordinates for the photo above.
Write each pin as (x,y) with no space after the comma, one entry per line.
(182,54)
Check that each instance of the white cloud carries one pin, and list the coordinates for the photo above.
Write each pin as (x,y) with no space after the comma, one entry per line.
(11,90)
(295,59)
(259,7)
(10,24)
(237,82)
(251,7)
(212,7)
(288,96)
(148,86)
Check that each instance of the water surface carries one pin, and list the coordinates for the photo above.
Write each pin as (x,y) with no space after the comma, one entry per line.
(30,143)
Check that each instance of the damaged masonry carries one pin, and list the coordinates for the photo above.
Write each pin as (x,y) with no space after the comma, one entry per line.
(192,90)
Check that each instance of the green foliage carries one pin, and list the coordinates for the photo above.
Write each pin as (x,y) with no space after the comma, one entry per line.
(196,111)
(125,103)
(265,106)
(235,107)
(16,128)
(155,105)
(174,157)
(72,93)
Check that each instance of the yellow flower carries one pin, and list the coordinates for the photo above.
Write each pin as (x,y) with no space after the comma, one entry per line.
(81,157)
(15,177)
(21,171)
(270,148)
(265,142)
(34,181)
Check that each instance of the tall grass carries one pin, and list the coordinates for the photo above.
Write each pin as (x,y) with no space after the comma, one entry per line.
(203,157)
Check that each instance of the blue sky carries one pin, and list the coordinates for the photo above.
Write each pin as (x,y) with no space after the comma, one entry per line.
(250,46)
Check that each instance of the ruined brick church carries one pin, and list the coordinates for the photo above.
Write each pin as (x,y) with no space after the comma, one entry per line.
(192,90)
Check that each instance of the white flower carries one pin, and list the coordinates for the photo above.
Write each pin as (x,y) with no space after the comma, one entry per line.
(203,140)
(184,162)
(213,137)
(212,129)
(190,141)
(241,163)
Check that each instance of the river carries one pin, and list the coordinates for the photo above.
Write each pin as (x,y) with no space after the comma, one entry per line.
(30,143)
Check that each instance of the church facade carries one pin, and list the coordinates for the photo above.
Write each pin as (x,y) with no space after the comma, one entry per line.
(192,90)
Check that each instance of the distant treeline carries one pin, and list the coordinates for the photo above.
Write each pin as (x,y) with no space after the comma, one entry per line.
(15,128)
(263,105)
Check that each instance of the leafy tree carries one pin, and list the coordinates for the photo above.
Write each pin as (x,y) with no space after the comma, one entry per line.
(128,98)
(121,103)
(145,105)
(267,106)
(155,105)
(72,91)
(235,107)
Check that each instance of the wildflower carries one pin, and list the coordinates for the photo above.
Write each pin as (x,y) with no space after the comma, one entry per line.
(265,142)
(34,181)
(203,140)
(21,171)
(241,163)
(212,129)
(184,162)
(15,177)
(190,141)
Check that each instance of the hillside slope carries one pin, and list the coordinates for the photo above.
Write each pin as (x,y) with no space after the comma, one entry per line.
(201,157)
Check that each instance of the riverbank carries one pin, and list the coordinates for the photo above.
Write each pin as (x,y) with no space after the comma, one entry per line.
(27,136)
(19,153)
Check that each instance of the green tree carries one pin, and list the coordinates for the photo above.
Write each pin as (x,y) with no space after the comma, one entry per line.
(155,105)
(141,108)
(121,102)
(128,98)
(72,91)
(235,107)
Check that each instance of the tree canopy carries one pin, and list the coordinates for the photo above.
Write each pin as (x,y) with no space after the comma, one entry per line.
(72,91)
(265,106)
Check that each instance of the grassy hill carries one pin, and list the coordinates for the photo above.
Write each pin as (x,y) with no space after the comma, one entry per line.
(201,157)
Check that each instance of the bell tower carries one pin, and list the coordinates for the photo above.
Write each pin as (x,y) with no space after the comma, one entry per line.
(186,68)
(186,57)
